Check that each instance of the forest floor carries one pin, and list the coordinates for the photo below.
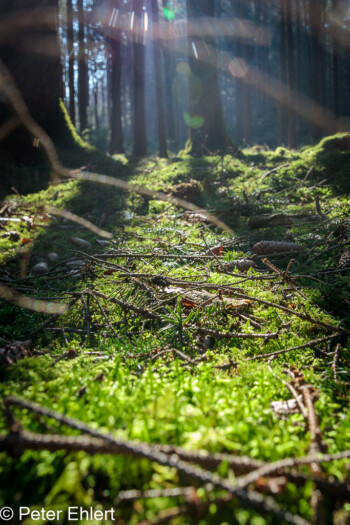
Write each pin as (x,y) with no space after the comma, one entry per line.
(200,375)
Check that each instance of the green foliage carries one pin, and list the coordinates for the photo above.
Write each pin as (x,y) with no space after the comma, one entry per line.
(168,401)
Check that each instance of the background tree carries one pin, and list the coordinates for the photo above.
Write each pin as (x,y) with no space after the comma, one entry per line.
(162,143)
(71,59)
(206,120)
(169,57)
(82,69)
(138,35)
(114,41)
(33,57)
(243,102)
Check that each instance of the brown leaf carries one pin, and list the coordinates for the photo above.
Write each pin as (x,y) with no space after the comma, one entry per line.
(217,250)
(25,240)
(202,298)
(186,303)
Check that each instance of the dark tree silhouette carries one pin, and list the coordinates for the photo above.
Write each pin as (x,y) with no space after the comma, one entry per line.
(33,57)
(70,50)
(116,118)
(290,67)
(162,144)
(207,126)
(169,55)
(82,69)
(283,71)
(140,137)
(243,102)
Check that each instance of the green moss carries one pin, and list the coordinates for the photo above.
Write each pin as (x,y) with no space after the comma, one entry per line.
(72,132)
(339,141)
(168,401)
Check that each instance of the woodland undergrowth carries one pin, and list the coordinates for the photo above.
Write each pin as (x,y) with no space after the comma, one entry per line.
(199,375)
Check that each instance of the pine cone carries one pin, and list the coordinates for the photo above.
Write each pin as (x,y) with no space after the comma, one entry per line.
(242,265)
(269,247)
(344,261)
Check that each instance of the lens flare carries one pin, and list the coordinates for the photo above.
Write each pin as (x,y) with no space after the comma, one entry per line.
(168,13)
(145,22)
(238,68)
(194,49)
(182,68)
(193,121)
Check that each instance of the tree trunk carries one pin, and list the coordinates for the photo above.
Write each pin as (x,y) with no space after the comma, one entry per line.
(82,69)
(140,137)
(283,72)
(290,65)
(116,118)
(335,62)
(206,121)
(315,13)
(169,67)
(32,55)
(70,49)
(162,144)
(242,89)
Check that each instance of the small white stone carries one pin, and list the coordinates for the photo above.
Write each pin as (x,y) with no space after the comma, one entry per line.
(52,256)
(76,263)
(101,242)
(40,268)
(81,243)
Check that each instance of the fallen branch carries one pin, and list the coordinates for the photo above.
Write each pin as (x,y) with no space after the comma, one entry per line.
(233,335)
(247,499)
(311,343)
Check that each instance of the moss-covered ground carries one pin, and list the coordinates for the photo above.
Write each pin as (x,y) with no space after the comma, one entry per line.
(138,356)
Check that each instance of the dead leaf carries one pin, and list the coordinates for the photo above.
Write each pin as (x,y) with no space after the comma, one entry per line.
(217,250)
(201,299)
(25,240)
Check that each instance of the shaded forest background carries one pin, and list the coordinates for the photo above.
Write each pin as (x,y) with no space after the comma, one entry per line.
(283,69)
(142,76)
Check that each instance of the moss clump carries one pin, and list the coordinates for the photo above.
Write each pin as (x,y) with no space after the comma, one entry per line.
(339,141)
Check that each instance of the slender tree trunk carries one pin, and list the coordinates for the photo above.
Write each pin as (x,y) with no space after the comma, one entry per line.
(335,62)
(82,69)
(290,60)
(169,69)
(116,117)
(243,90)
(70,48)
(206,121)
(283,71)
(315,79)
(162,143)
(140,137)
(95,97)
(104,121)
